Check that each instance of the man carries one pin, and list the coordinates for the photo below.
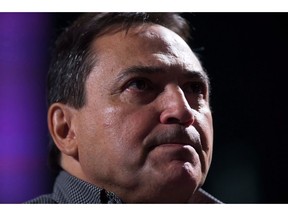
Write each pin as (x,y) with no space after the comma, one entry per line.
(128,112)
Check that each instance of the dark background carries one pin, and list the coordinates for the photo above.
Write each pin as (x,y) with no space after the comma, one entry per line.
(245,55)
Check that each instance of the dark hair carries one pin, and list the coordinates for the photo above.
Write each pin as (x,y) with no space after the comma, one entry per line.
(72,58)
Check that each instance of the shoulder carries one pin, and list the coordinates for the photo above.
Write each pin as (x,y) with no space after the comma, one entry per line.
(43,199)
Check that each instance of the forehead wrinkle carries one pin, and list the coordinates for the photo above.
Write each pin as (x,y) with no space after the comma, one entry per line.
(166,52)
(147,70)
(163,39)
(168,47)
(162,43)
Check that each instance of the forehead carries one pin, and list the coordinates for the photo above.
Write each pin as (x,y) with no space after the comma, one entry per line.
(146,45)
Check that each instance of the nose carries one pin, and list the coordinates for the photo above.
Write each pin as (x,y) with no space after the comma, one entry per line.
(175,108)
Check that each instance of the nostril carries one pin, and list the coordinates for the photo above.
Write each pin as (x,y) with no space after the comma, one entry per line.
(186,123)
(173,121)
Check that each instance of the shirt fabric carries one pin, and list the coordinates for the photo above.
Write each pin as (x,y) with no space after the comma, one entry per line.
(71,190)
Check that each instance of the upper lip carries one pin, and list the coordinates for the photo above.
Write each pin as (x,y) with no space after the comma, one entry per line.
(176,135)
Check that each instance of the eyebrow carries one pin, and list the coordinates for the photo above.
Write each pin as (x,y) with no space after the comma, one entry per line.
(147,70)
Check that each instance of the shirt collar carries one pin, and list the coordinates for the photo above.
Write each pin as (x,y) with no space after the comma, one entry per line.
(70,189)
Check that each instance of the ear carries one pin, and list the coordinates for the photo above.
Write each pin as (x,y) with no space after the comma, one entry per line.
(60,123)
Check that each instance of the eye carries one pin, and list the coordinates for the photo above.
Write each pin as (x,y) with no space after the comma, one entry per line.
(194,88)
(140,84)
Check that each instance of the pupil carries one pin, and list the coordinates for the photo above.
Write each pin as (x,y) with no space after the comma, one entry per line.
(140,85)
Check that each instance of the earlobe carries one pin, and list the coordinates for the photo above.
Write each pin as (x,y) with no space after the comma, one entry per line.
(60,123)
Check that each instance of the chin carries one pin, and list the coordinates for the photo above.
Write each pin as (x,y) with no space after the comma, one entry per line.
(179,184)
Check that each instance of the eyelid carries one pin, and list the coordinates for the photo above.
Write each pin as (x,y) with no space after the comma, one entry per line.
(134,80)
(200,84)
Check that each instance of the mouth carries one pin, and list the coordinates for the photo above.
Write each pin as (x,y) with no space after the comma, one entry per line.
(176,151)
(172,144)
(176,137)
(177,147)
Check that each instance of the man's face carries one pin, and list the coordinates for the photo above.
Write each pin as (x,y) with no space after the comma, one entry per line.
(145,132)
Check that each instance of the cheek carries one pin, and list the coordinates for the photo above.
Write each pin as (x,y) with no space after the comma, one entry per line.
(128,120)
(208,127)
(205,127)
(110,118)
(120,139)
(127,127)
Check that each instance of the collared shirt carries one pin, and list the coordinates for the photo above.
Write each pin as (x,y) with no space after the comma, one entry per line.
(69,189)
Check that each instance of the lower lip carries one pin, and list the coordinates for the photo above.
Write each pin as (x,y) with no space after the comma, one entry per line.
(176,147)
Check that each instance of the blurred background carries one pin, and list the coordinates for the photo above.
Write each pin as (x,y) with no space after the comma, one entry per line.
(246,56)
